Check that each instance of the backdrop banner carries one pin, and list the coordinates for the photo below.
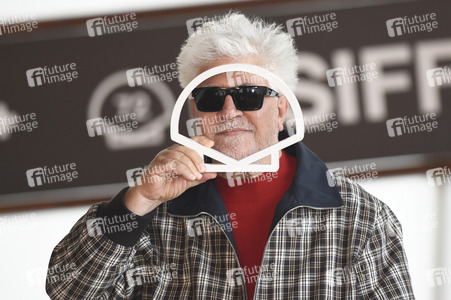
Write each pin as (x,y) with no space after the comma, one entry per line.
(89,103)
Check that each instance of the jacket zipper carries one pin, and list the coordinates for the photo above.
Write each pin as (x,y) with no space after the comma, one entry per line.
(234,252)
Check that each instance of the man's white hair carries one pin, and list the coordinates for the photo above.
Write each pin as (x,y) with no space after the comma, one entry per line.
(235,36)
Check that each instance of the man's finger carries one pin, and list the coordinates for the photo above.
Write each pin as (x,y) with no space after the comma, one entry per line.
(204,141)
(189,162)
(197,159)
(196,162)
(205,176)
(182,170)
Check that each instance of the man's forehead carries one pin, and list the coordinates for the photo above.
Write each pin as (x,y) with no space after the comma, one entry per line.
(234,79)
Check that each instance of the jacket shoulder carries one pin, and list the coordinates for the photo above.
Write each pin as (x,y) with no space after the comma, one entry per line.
(356,198)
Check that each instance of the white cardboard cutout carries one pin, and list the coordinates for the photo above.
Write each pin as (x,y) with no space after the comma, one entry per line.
(245,164)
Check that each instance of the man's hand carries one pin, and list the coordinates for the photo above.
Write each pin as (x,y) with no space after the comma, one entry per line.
(171,172)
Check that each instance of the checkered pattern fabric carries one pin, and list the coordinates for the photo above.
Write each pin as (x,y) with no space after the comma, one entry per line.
(352,250)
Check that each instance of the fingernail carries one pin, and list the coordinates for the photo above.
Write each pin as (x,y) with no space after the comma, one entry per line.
(202,167)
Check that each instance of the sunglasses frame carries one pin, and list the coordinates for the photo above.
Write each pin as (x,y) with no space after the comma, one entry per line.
(266,91)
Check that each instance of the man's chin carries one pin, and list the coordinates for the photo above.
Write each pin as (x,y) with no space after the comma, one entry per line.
(234,153)
(234,146)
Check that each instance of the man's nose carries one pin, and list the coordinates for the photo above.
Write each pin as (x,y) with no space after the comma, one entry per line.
(229,108)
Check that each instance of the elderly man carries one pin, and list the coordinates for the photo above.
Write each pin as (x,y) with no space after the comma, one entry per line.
(184,233)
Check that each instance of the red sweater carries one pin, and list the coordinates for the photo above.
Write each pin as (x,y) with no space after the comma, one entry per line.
(253,201)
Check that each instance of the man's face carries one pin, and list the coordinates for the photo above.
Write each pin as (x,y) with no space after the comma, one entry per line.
(236,133)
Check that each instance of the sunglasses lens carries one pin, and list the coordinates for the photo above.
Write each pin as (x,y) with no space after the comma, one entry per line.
(245,98)
(209,100)
(249,98)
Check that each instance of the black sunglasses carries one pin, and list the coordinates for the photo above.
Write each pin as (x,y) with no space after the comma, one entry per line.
(245,98)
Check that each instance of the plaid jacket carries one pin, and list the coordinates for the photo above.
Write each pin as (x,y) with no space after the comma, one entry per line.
(325,242)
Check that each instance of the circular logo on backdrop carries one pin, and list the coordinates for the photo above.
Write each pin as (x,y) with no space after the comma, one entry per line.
(129,117)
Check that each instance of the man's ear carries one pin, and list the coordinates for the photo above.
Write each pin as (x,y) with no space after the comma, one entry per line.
(282,107)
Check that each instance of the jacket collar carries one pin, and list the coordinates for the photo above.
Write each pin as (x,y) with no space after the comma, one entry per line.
(309,188)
